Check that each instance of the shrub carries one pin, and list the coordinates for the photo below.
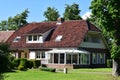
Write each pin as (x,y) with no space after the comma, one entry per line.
(109,63)
(29,64)
(4,63)
(16,62)
(1,76)
(23,65)
(21,68)
(23,62)
(47,69)
(36,63)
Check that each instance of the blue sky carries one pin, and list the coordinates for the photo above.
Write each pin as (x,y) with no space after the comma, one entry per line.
(37,7)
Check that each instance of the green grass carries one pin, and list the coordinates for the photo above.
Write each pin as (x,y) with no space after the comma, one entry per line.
(75,74)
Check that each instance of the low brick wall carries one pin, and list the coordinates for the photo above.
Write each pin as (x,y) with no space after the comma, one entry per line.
(60,66)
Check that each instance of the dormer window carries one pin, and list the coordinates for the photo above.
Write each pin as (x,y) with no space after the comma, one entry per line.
(59,38)
(92,38)
(34,39)
(17,39)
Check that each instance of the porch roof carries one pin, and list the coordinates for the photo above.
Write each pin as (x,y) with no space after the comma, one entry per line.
(68,51)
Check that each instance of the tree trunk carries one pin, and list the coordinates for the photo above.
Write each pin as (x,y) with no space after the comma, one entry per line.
(116,67)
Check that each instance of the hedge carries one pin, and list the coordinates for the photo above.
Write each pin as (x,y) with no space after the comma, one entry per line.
(109,63)
(47,69)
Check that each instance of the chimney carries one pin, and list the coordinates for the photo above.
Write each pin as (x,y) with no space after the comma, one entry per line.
(60,21)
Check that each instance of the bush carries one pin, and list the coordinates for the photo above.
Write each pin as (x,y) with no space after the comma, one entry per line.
(1,76)
(23,65)
(36,63)
(109,63)
(4,62)
(16,63)
(47,69)
(21,68)
(29,64)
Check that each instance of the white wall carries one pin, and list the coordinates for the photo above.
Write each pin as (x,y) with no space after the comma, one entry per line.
(32,55)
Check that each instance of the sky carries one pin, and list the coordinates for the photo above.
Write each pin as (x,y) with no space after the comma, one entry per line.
(9,8)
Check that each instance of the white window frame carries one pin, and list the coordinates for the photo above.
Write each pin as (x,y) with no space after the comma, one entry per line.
(39,39)
(58,38)
(17,39)
(40,54)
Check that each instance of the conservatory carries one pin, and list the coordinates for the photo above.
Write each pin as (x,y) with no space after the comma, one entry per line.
(77,57)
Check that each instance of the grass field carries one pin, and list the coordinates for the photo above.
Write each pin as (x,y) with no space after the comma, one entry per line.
(75,74)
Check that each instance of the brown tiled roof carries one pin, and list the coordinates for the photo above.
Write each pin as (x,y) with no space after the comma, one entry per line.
(26,30)
(73,33)
(4,35)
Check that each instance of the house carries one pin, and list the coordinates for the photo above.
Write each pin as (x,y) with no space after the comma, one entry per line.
(62,44)
(4,35)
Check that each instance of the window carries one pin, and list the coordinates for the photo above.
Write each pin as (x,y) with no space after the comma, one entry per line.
(30,38)
(68,58)
(34,39)
(98,58)
(92,38)
(40,54)
(17,39)
(59,38)
(84,58)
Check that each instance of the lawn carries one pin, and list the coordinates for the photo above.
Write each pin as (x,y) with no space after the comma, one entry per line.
(75,74)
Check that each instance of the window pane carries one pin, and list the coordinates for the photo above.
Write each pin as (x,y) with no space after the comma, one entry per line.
(35,38)
(38,54)
(62,58)
(55,58)
(84,59)
(74,58)
(30,38)
(43,55)
(68,58)
(94,58)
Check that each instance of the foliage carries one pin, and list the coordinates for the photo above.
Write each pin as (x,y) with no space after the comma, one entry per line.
(13,23)
(3,63)
(1,76)
(109,63)
(47,69)
(72,12)
(16,63)
(4,54)
(23,64)
(21,68)
(36,63)
(29,64)
(51,14)
(107,15)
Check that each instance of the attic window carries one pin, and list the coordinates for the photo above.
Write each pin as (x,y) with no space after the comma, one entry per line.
(17,39)
(58,38)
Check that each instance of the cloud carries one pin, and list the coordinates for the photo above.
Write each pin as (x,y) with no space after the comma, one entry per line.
(86,15)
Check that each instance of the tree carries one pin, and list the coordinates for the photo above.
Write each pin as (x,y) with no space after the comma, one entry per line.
(72,12)
(4,54)
(107,15)
(4,61)
(51,14)
(13,23)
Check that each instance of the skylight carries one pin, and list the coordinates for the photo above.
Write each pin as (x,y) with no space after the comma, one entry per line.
(17,39)
(59,38)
